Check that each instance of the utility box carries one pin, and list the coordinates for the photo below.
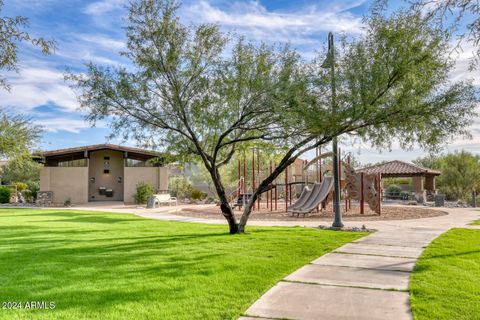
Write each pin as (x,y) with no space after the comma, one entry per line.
(439,200)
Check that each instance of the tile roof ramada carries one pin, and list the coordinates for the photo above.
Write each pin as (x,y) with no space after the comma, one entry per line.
(399,168)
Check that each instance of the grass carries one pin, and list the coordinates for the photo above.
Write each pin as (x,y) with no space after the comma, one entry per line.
(116,266)
(445,282)
(476,222)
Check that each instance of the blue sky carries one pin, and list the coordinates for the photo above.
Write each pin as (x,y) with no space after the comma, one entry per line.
(92,31)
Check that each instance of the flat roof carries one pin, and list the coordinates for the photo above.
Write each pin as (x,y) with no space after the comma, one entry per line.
(95,147)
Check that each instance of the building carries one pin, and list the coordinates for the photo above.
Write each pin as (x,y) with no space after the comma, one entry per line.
(103,172)
(423,179)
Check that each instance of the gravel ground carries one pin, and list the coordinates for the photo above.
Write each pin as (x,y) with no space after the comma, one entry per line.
(388,213)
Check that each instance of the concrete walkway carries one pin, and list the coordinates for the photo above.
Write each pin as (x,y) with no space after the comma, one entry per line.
(364,279)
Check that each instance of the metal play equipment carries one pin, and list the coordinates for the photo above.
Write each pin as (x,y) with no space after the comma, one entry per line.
(363,187)
(314,192)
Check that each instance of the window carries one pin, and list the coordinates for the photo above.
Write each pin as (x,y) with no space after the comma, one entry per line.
(138,163)
(73,163)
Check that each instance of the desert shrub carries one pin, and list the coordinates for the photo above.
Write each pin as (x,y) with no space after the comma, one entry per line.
(196,194)
(31,193)
(21,186)
(180,187)
(144,190)
(5,194)
(394,189)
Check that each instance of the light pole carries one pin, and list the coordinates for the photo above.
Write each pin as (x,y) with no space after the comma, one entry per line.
(330,63)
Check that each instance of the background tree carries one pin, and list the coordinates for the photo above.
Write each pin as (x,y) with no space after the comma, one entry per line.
(460,173)
(18,135)
(184,90)
(22,169)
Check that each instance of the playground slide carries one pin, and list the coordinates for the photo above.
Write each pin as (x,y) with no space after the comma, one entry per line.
(318,194)
(312,194)
(302,199)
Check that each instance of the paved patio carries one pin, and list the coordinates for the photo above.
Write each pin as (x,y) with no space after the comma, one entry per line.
(365,279)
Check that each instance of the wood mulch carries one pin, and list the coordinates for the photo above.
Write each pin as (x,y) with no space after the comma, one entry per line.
(388,213)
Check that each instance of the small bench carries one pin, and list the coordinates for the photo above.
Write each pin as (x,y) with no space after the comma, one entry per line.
(159,199)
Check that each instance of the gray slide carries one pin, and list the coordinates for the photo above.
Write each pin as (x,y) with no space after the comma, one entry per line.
(302,199)
(318,194)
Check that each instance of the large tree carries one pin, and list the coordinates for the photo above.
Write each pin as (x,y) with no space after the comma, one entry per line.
(186,90)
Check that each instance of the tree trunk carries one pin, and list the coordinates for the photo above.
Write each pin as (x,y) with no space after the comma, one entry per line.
(228,214)
(224,205)
(263,185)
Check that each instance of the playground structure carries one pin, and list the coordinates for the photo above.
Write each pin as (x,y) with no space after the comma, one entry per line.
(301,190)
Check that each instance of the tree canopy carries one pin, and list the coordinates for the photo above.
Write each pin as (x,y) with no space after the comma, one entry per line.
(206,94)
(18,135)
(461,17)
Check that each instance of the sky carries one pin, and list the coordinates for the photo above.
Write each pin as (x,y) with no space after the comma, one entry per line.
(92,31)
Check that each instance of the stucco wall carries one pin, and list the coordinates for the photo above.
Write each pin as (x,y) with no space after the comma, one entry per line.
(112,180)
(65,182)
(156,176)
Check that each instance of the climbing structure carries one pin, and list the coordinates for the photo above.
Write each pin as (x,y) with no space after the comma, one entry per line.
(363,187)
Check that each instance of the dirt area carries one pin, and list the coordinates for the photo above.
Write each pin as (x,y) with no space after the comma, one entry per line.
(388,213)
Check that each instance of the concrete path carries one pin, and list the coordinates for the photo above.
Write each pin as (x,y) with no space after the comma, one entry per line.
(365,279)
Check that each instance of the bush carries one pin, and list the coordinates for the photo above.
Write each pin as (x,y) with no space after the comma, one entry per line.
(21,186)
(180,187)
(5,194)
(394,189)
(144,190)
(31,193)
(196,194)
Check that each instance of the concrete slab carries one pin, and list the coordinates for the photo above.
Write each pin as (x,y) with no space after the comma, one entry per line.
(347,276)
(409,234)
(365,261)
(381,250)
(394,242)
(312,302)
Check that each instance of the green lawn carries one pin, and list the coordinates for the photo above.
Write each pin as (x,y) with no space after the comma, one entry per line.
(117,266)
(476,222)
(446,280)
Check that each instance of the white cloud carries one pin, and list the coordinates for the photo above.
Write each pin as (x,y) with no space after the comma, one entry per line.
(463,59)
(53,124)
(255,21)
(102,41)
(35,86)
(104,6)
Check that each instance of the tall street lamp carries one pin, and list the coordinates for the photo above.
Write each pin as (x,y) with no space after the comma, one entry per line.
(329,63)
